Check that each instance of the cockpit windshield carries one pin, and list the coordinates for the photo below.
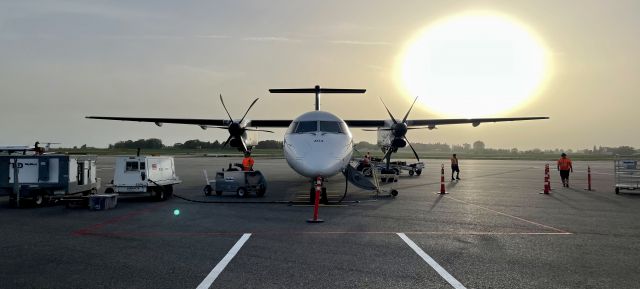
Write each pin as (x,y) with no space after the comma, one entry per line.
(330,126)
(306,126)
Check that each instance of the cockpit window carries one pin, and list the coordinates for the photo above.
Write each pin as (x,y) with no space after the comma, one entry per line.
(330,126)
(307,126)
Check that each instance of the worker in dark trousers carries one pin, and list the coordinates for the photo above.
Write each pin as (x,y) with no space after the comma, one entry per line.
(247,162)
(565,167)
(455,168)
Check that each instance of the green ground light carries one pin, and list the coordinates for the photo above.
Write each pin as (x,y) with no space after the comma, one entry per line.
(176,212)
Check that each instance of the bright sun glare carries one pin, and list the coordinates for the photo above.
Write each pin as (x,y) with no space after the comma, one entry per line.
(474,64)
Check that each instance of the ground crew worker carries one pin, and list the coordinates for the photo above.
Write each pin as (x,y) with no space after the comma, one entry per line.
(564,166)
(367,159)
(247,162)
(454,167)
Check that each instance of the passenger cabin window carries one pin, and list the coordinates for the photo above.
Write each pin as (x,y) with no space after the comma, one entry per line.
(330,126)
(131,166)
(307,126)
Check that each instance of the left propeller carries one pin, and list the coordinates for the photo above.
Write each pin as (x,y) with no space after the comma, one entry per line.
(399,131)
(237,129)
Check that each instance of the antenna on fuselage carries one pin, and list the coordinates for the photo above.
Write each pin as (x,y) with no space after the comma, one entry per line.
(317,90)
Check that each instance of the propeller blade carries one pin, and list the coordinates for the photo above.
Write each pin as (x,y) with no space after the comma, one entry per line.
(225,108)
(407,115)
(414,151)
(245,114)
(385,106)
(422,127)
(227,142)
(263,130)
(215,126)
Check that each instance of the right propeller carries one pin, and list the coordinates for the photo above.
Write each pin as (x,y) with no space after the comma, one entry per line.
(237,129)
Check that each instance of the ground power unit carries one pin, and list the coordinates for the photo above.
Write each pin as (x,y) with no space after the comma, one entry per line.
(154,175)
(42,178)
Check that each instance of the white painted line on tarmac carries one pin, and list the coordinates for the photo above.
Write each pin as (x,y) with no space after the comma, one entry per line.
(206,283)
(453,281)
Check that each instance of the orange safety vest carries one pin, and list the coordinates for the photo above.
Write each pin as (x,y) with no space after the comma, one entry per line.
(564,164)
(247,163)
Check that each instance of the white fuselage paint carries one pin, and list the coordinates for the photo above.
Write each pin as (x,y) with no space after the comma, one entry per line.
(318,152)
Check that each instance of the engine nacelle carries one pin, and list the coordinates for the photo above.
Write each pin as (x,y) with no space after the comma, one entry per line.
(399,143)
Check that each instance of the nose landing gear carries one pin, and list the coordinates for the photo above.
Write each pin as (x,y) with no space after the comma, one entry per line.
(323,194)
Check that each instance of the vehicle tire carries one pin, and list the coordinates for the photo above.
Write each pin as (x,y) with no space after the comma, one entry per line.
(242,192)
(261,191)
(218,193)
(396,171)
(93,191)
(168,191)
(207,190)
(160,194)
(367,172)
(40,199)
(411,172)
(418,172)
(617,191)
(109,191)
(394,193)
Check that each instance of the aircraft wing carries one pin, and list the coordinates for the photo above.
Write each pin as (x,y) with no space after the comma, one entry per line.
(436,122)
(195,121)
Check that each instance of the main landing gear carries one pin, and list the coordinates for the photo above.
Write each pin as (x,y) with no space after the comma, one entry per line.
(323,194)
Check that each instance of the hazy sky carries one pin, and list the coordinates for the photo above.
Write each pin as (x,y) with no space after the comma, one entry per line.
(63,60)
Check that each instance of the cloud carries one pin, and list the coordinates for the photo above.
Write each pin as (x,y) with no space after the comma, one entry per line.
(270,39)
(367,43)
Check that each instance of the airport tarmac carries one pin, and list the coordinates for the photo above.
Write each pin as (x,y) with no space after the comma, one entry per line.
(492,230)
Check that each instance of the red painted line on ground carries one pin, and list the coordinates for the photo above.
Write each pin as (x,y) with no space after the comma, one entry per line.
(90,230)
(511,216)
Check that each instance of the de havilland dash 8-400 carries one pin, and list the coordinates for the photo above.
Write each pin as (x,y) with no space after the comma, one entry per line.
(319,144)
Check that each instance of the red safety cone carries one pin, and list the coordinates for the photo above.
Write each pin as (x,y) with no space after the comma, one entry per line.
(442,188)
(317,202)
(588,178)
(547,182)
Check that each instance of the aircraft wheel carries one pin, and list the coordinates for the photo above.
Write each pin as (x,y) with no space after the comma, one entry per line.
(312,196)
(323,197)
(242,192)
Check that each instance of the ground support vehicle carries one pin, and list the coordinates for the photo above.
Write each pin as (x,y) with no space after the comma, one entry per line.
(396,166)
(153,175)
(44,178)
(626,174)
(235,180)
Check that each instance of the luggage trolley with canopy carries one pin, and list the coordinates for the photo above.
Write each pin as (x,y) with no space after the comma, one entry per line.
(627,174)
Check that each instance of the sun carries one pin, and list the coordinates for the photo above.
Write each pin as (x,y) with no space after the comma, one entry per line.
(474,64)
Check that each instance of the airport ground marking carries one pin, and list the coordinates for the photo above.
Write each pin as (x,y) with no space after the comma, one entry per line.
(443,273)
(511,216)
(206,283)
(91,230)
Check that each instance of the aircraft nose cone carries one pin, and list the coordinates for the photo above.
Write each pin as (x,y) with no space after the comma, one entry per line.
(321,165)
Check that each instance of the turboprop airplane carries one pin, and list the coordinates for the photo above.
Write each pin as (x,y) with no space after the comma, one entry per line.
(36,148)
(317,144)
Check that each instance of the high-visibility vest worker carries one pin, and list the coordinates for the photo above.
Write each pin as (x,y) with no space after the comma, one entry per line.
(247,162)
(564,164)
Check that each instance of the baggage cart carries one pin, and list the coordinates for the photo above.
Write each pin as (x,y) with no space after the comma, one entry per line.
(627,174)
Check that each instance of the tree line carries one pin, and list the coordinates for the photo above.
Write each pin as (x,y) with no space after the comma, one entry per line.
(154,143)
